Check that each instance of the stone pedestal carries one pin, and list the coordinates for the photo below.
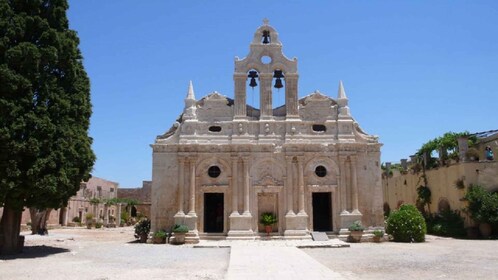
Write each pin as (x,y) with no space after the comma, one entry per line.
(347,219)
(240,227)
(296,226)
(192,235)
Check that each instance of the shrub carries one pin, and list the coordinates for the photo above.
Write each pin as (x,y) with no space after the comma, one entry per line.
(356,226)
(378,233)
(406,224)
(482,205)
(446,223)
(98,225)
(142,227)
(268,219)
(76,219)
(180,228)
(160,234)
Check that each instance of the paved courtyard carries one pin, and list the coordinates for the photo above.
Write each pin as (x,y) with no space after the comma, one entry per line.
(112,254)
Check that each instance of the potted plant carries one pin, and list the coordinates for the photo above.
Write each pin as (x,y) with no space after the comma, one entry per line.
(179,232)
(482,205)
(159,237)
(378,234)
(89,220)
(142,229)
(355,231)
(268,219)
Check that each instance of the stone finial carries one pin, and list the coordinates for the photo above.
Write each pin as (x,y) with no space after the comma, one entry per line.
(190,103)
(190,93)
(341,94)
(266,21)
(342,101)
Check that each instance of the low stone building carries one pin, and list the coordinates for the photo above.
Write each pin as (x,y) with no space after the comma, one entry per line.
(80,204)
(223,162)
(142,195)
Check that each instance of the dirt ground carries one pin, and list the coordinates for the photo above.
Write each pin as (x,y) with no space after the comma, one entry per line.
(437,258)
(78,253)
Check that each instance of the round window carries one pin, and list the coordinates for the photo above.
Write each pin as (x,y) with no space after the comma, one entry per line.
(321,171)
(214,171)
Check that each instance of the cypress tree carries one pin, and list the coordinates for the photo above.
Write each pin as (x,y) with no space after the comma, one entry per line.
(45,109)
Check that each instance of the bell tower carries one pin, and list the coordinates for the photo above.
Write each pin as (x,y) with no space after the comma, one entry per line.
(264,63)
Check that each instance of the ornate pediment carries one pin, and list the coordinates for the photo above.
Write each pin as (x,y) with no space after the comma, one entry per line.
(317,96)
(268,180)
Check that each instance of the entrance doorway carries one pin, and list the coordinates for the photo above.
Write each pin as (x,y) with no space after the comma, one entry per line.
(322,211)
(213,212)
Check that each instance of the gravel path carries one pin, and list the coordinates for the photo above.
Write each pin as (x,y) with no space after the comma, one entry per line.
(77,253)
(437,258)
(110,254)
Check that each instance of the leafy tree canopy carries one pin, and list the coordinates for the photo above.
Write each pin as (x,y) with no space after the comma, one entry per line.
(45,150)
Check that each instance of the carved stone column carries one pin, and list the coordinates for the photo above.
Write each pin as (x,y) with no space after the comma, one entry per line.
(235,186)
(291,95)
(181,187)
(191,211)
(289,187)
(246,186)
(265,98)
(301,186)
(354,183)
(240,95)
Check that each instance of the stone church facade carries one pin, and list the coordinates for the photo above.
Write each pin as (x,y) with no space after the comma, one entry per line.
(223,163)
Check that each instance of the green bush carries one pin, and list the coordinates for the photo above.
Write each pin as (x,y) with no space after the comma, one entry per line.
(482,205)
(180,228)
(76,219)
(142,227)
(446,223)
(406,224)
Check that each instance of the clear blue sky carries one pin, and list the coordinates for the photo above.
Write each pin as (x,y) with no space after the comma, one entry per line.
(412,70)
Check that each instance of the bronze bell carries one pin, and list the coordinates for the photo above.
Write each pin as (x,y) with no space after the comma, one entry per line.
(278,83)
(253,75)
(266,37)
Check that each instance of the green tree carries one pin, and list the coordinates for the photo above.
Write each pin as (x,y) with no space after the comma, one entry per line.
(45,150)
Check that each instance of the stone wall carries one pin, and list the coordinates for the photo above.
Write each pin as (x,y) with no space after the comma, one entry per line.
(442,183)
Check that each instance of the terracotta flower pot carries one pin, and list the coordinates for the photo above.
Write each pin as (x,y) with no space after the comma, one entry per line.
(268,230)
(355,236)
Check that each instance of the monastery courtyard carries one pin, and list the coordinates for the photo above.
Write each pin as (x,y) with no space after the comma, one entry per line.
(77,253)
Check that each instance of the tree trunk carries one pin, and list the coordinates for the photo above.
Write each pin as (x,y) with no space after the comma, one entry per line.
(10,227)
(39,219)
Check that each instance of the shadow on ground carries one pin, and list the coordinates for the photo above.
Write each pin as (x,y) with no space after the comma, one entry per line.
(31,252)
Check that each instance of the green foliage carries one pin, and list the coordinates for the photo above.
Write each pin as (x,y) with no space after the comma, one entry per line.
(95,201)
(356,226)
(378,233)
(180,228)
(446,223)
(44,106)
(98,225)
(268,219)
(423,195)
(160,234)
(76,219)
(125,216)
(406,224)
(88,216)
(482,205)
(116,200)
(142,227)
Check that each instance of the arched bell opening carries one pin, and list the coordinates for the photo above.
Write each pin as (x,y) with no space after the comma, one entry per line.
(278,88)
(265,37)
(253,89)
